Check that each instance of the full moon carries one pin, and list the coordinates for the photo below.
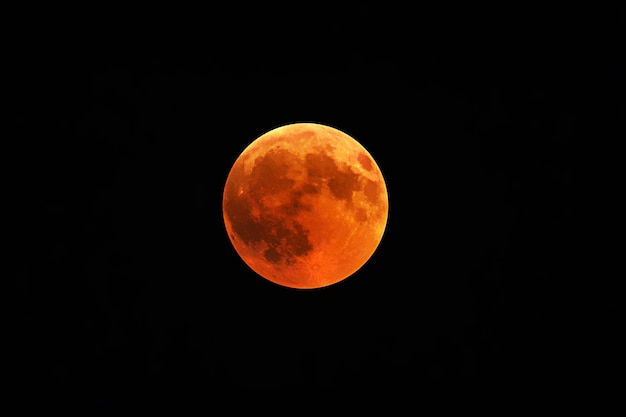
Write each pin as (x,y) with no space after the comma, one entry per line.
(305,205)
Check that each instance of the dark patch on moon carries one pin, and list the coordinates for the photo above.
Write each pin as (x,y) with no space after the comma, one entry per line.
(249,229)
(272,255)
(320,165)
(295,204)
(340,182)
(286,238)
(343,184)
(310,189)
(307,134)
(365,161)
(372,191)
(291,242)
(269,173)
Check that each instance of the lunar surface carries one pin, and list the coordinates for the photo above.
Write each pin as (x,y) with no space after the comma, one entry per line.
(305,205)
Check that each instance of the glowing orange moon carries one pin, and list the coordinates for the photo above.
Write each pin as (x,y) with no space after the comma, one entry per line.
(305,205)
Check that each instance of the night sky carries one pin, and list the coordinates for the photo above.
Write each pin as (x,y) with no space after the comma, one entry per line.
(129,289)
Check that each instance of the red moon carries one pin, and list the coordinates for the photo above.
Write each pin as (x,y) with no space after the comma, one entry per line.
(305,205)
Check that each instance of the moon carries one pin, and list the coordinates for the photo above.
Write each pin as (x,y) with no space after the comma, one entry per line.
(305,205)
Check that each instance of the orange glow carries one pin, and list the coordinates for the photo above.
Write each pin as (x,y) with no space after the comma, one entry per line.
(305,205)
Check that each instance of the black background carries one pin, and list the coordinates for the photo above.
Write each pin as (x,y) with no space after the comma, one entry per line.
(128,287)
